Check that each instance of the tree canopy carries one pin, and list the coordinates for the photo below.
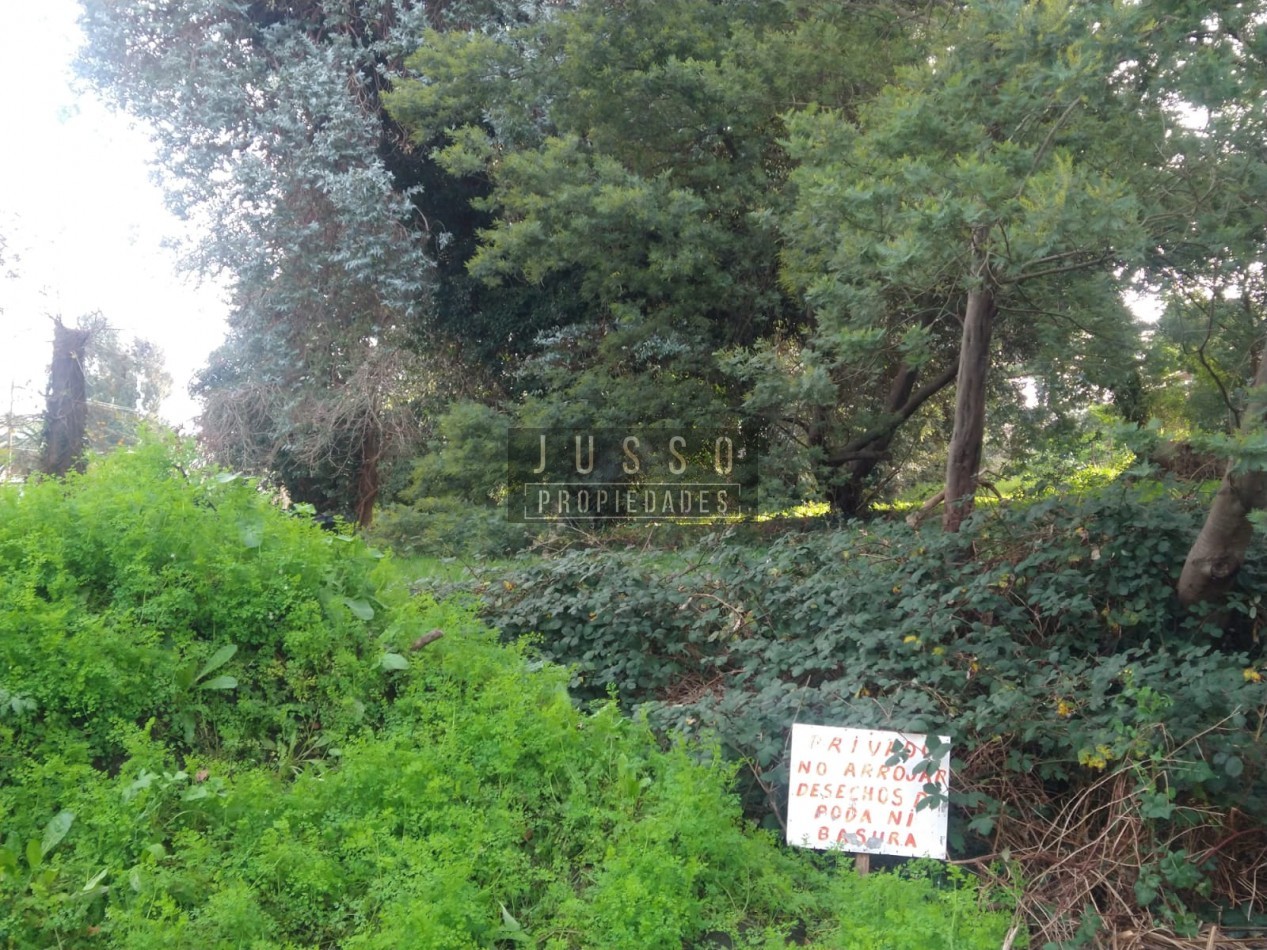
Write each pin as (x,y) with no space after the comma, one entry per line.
(895,238)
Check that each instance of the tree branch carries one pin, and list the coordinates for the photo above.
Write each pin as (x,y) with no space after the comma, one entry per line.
(853,448)
(1081,263)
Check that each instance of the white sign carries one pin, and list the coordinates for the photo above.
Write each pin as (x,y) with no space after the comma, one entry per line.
(844,796)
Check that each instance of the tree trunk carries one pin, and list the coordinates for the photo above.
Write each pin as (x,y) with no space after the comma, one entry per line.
(847,495)
(368,476)
(963,461)
(66,405)
(863,455)
(1219,550)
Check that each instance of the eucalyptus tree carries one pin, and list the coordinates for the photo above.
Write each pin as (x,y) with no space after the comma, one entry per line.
(270,135)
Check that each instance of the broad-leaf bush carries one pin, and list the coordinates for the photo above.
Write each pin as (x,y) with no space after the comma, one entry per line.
(1045,639)
(223,727)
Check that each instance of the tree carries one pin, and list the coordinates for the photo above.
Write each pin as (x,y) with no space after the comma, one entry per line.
(632,159)
(125,383)
(1211,270)
(99,389)
(976,204)
(1218,552)
(269,130)
(66,403)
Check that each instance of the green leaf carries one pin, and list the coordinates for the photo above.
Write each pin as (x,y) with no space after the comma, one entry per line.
(220,682)
(142,782)
(512,929)
(509,920)
(393,661)
(217,660)
(981,825)
(1233,766)
(252,535)
(1145,890)
(34,857)
(185,677)
(185,719)
(361,608)
(56,830)
(1155,807)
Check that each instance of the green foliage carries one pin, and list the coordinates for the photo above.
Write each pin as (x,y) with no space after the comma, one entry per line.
(1046,642)
(631,154)
(218,728)
(968,171)
(467,458)
(267,128)
(143,588)
(454,503)
(659,211)
(1199,358)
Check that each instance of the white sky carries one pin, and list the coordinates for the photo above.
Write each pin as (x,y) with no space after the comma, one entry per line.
(79,210)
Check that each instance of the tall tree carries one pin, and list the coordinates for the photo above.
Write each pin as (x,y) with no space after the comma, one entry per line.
(632,156)
(1213,274)
(976,208)
(1217,554)
(269,130)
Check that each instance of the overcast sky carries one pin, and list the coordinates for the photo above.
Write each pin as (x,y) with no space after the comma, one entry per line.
(80,213)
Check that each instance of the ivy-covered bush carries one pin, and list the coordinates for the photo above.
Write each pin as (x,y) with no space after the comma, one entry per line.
(1105,738)
(223,727)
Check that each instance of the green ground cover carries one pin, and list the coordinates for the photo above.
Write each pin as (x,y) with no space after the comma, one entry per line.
(223,727)
(1107,740)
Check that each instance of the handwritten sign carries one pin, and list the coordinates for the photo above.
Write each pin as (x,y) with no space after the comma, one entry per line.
(845,795)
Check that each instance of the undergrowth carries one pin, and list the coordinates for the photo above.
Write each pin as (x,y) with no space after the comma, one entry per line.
(223,727)
(1108,743)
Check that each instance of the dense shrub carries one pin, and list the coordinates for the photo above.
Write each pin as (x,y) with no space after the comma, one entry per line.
(454,504)
(222,727)
(1045,639)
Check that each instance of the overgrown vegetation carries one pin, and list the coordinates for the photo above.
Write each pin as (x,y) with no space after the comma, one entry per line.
(816,220)
(1107,741)
(221,726)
